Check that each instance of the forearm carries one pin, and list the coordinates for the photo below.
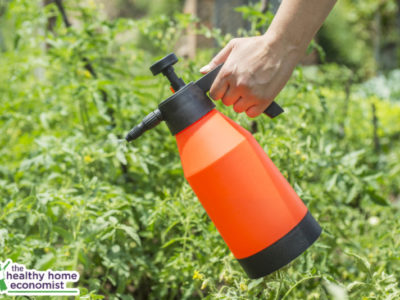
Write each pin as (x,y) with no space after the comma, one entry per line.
(297,21)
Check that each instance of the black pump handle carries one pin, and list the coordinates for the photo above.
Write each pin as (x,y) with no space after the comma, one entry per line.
(165,66)
(207,80)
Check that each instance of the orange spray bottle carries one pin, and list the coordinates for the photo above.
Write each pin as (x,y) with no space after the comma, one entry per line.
(258,214)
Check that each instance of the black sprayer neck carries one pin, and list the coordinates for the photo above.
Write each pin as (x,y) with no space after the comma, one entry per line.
(176,82)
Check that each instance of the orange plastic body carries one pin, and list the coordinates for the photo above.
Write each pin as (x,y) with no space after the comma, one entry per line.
(247,198)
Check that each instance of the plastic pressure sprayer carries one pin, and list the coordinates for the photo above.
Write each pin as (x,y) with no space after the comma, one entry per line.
(258,214)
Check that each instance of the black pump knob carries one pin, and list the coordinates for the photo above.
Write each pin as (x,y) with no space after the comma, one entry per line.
(163,63)
(165,66)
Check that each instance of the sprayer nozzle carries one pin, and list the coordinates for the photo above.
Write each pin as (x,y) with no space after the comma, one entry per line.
(150,121)
(135,132)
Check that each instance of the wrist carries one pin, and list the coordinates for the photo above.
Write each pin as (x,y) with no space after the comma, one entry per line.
(279,43)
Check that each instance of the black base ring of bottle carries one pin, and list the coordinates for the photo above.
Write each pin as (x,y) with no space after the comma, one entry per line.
(284,250)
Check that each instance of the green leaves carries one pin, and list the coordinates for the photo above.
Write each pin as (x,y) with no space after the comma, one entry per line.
(131,233)
(362,263)
(73,196)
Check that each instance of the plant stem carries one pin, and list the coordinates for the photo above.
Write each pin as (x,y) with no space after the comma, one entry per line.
(297,283)
(377,144)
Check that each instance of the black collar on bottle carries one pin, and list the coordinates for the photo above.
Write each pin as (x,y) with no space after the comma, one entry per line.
(185,107)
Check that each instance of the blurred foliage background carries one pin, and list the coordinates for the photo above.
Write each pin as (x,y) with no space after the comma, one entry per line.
(74,79)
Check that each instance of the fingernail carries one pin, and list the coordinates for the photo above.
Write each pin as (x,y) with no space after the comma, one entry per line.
(205,69)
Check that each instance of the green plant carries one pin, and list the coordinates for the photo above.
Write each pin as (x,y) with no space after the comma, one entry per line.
(73,197)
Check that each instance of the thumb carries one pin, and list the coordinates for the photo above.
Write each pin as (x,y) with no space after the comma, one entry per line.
(219,58)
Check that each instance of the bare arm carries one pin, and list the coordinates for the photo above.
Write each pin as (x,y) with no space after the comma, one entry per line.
(257,68)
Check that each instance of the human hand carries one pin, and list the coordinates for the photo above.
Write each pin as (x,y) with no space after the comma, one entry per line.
(255,70)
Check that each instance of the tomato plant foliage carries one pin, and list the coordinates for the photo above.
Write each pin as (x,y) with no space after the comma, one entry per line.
(74,198)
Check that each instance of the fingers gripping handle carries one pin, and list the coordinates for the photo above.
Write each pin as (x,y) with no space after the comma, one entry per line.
(207,80)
